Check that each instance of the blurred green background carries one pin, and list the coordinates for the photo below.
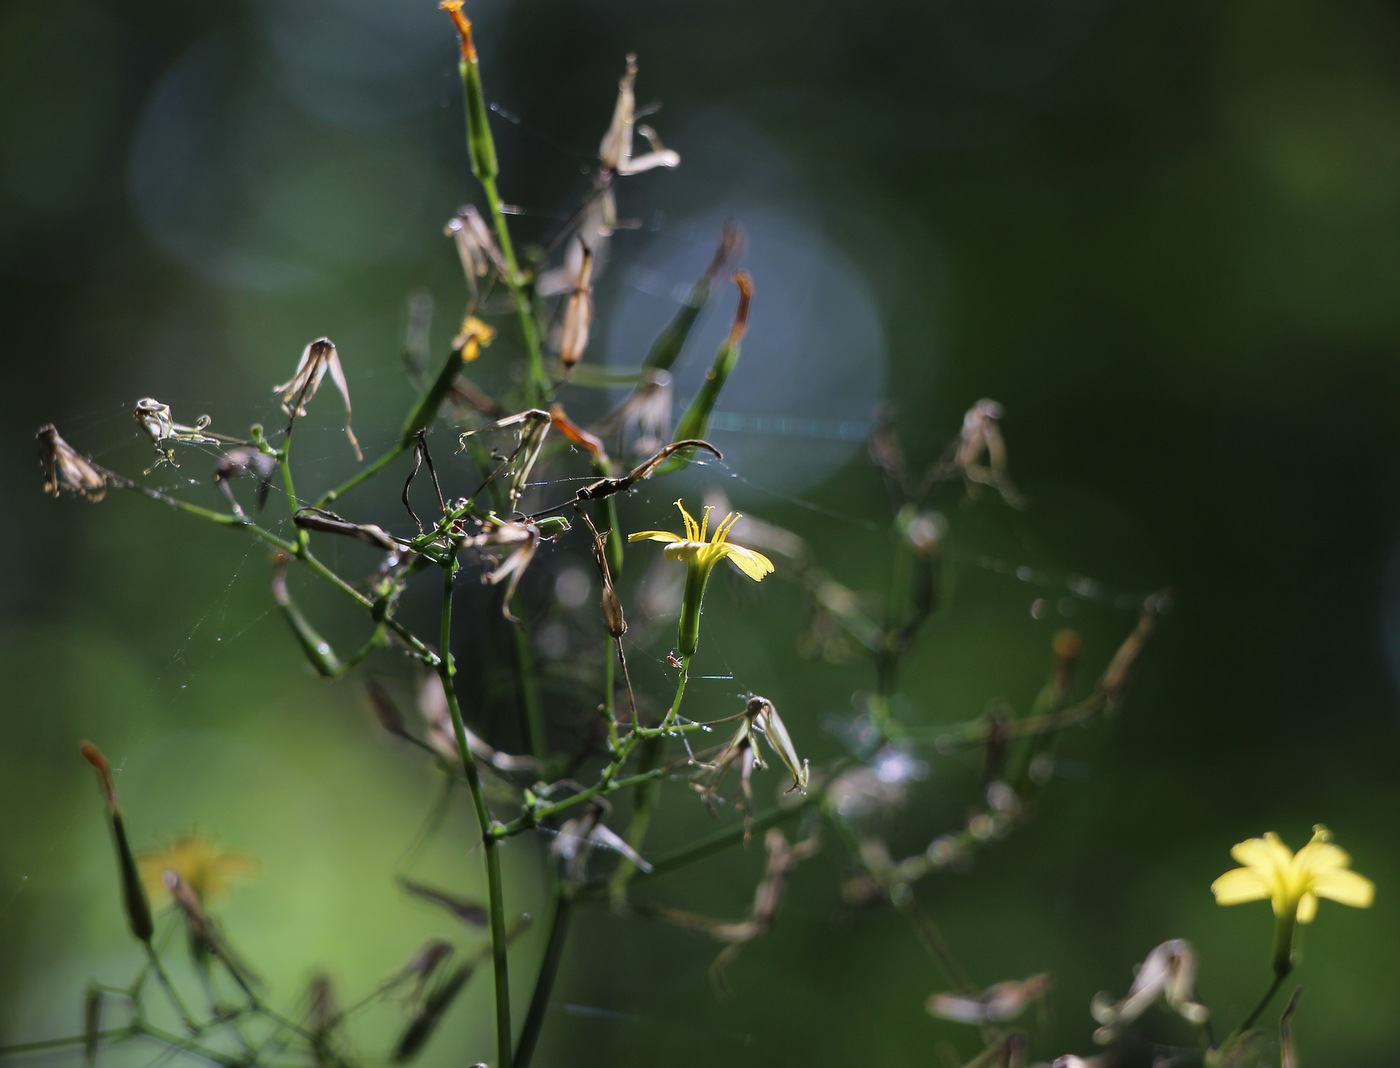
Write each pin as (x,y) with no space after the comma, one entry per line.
(1165,236)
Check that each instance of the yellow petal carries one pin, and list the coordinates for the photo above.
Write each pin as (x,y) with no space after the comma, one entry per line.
(1267,854)
(654,535)
(1238,886)
(1346,887)
(692,528)
(1318,857)
(754,565)
(1307,908)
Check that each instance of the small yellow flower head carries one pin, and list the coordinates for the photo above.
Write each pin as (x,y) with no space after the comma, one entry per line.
(700,552)
(199,862)
(1293,882)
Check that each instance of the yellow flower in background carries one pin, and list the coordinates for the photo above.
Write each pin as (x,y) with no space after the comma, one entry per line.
(201,864)
(1293,882)
(700,552)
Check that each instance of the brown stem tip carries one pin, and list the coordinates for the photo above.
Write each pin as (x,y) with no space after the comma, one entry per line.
(464,27)
(94,756)
(741,315)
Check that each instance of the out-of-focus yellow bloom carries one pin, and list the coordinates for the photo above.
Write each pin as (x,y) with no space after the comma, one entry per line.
(700,552)
(199,862)
(1293,882)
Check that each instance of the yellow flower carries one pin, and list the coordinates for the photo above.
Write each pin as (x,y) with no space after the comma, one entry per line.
(700,552)
(694,549)
(1293,882)
(201,864)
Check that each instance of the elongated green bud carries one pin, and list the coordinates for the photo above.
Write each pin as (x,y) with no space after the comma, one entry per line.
(318,651)
(138,909)
(666,349)
(692,601)
(479,141)
(697,417)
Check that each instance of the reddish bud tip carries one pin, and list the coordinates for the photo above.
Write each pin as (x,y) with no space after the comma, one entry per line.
(464,27)
(94,756)
(741,315)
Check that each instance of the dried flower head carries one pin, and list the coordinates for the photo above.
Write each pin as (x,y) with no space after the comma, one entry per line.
(1004,1001)
(579,836)
(1169,974)
(578,316)
(616,148)
(245,460)
(476,247)
(316,359)
(64,469)
(159,425)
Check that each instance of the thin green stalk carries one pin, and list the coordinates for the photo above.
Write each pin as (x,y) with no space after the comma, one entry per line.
(284,456)
(524,305)
(141,1027)
(933,941)
(544,983)
(609,683)
(490,845)
(169,988)
(21,1048)
(363,474)
(644,796)
(528,695)
(1279,977)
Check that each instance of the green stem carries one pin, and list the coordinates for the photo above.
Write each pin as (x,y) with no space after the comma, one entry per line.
(1248,1022)
(644,796)
(21,1048)
(524,306)
(528,696)
(284,457)
(609,683)
(490,844)
(189,1046)
(363,474)
(169,988)
(544,983)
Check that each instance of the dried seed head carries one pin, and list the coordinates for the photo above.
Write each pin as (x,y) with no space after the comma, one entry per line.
(765,717)
(1004,1001)
(612,612)
(246,460)
(1168,973)
(64,469)
(317,358)
(616,148)
(579,836)
(476,246)
(578,316)
(159,425)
